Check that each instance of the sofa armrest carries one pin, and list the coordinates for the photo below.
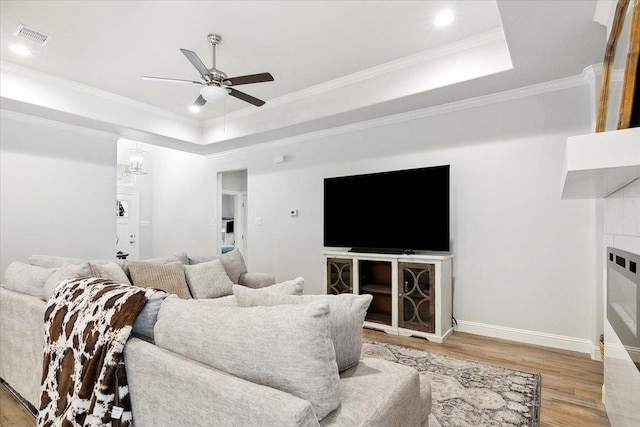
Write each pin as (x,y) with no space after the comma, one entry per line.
(169,389)
(22,342)
(256,280)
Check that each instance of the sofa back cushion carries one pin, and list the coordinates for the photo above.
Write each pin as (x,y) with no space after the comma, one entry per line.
(287,347)
(167,277)
(26,278)
(346,317)
(111,271)
(67,271)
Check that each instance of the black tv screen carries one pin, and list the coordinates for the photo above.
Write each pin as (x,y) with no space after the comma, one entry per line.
(405,210)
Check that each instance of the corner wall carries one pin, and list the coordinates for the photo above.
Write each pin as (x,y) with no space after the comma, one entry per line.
(519,251)
(58,190)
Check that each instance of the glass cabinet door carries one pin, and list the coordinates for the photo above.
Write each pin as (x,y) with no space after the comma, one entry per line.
(339,276)
(416,302)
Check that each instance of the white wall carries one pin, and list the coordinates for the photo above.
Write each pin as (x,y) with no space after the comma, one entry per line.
(58,190)
(524,259)
(182,204)
(177,202)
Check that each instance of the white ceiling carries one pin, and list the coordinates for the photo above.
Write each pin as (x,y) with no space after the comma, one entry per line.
(334,62)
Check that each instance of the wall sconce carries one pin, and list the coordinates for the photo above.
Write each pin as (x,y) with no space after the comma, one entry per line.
(137,162)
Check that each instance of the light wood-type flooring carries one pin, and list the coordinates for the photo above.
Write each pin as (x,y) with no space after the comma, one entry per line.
(571,382)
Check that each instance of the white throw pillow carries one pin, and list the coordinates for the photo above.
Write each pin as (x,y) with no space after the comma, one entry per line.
(286,347)
(288,287)
(67,271)
(347,312)
(26,278)
(208,280)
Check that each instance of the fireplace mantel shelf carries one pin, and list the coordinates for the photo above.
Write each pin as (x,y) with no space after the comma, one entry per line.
(599,164)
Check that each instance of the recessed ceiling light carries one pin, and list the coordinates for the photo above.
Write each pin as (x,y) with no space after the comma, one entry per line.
(194,109)
(19,49)
(443,18)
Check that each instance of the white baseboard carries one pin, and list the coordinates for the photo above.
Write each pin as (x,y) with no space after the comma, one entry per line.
(531,337)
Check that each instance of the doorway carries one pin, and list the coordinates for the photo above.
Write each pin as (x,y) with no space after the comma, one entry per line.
(127,224)
(232,208)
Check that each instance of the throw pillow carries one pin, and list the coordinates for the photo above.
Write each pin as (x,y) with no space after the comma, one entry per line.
(346,317)
(26,278)
(233,263)
(288,287)
(285,347)
(146,320)
(208,280)
(67,271)
(111,271)
(166,277)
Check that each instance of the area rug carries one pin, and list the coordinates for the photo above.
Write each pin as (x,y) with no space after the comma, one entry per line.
(467,393)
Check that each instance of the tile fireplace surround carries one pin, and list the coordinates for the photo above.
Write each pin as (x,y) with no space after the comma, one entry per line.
(606,167)
(622,377)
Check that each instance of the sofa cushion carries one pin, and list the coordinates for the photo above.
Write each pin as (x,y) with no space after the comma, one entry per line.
(256,280)
(285,347)
(26,278)
(50,261)
(233,263)
(288,287)
(208,280)
(199,259)
(346,317)
(146,320)
(67,271)
(111,271)
(167,277)
(182,257)
(378,393)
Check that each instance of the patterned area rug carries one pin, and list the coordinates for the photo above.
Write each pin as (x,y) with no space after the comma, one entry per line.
(467,393)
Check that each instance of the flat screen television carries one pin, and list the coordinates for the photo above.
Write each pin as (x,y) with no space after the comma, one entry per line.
(389,212)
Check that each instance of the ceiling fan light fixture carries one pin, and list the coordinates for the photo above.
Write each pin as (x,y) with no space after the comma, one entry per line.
(213,93)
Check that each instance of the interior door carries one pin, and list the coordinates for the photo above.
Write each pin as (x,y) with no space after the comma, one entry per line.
(127,229)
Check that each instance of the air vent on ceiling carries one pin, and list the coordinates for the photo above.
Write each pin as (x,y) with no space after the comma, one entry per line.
(32,35)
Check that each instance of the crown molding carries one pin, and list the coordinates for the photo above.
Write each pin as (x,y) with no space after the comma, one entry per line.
(592,71)
(523,92)
(92,91)
(487,37)
(26,118)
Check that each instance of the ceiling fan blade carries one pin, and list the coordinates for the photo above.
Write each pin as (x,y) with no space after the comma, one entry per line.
(164,79)
(193,58)
(247,98)
(200,101)
(252,78)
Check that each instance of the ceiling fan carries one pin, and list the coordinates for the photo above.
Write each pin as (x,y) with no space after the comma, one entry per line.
(215,84)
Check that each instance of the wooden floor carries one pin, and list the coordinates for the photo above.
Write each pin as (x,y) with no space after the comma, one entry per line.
(571,382)
(12,413)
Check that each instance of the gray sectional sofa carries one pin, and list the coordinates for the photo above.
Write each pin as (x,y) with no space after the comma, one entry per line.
(214,362)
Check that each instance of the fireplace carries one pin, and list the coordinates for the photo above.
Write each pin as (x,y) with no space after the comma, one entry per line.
(623,299)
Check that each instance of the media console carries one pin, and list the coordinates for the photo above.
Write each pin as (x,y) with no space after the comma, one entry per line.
(411,293)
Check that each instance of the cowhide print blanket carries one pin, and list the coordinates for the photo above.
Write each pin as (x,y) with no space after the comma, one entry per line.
(87,323)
